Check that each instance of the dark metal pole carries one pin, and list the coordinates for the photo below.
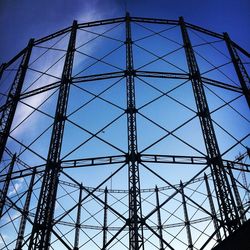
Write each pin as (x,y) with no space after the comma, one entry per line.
(159,218)
(239,68)
(13,98)
(105,219)
(6,185)
(237,195)
(43,222)
(229,213)
(244,179)
(78,220)
(2,67)
(187,222)
(25,214)
(213,212)
(135,212)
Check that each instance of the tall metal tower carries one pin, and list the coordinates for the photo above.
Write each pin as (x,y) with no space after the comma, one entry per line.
(125,133)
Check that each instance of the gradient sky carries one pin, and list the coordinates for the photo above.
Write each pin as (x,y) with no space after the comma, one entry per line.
(21,20)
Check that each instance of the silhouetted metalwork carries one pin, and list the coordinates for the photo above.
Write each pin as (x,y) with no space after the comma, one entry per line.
(6,184)
(20,238)
(10,108)
(239,68)
(135,214)
(163,216)
(42,229)
(229,212)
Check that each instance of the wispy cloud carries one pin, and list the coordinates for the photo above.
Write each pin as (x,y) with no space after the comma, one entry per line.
(3,237)
(16,187)
(91,12)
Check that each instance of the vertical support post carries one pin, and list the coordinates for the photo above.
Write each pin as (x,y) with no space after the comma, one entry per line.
(159,218)
(22,225)
(212,208)
(2,67)
(105,219)
(237,195)
(6,185)
(135,212)
(239,68)
(13,98)
(244,179)
(43,222)
(187,222)
(228,210)
(78,219)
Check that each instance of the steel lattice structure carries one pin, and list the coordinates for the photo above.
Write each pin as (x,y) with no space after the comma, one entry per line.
(125,133)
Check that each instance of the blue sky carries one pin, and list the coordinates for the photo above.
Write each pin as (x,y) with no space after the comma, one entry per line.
(21,20)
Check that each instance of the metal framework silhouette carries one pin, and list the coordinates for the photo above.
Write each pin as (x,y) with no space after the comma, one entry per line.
(43,203)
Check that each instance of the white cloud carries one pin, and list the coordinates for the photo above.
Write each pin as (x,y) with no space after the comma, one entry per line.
(23,111)
(91,13)
(3,237)
(16,187)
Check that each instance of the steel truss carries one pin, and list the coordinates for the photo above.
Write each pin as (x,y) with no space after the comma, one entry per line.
(57,210)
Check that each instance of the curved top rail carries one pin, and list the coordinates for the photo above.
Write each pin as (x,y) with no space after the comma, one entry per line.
(122,19)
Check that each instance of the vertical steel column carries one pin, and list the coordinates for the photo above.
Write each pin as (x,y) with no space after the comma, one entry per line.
(105,219)
(187,222)
(239,68)
(13,98)
(6,185)
(2,67)
(43,222)
(159,218)
(78,220)
(22,225)
(212,208)
(237,195)
(229,213)
(244,179)
(135,212)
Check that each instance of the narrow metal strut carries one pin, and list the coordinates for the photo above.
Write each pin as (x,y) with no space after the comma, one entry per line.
(161,244)
(187,221)
(105,219)
(135,212)
(6,184)
(78,219)
(22,226)
(13,97)
(239,68)
(212,208)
